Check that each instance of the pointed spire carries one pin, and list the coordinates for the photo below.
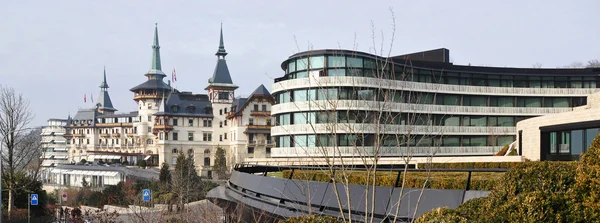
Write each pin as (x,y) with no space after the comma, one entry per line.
(104,84)
(155,67)
(221,52)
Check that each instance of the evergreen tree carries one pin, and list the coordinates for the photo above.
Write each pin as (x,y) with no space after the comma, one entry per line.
(84,183)
(220,167)
(187,185)
(165,174)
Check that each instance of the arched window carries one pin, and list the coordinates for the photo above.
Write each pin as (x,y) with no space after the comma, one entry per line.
(174,150)
(207,152)
(207,161)
(149,141)
(191,151)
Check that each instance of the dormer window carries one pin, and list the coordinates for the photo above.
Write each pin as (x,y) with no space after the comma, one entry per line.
(175,108)
(190,109)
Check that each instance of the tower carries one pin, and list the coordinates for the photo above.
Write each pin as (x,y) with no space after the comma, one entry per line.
(221,95)
(148,95)
(104,104)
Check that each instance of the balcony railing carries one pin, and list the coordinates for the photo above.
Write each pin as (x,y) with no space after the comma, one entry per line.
(104,135)
(116,135)
(256,126)
(131,134)
(79,135)
(146,96)
(426,87)
(123,124)
(163,127)
(260,113)
(359,128)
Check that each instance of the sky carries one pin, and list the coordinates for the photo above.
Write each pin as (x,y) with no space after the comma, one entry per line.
(54,51)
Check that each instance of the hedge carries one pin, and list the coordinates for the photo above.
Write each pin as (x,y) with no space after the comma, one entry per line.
(437,180)
(311,219)
(472,165)
(503,151)
(537,192)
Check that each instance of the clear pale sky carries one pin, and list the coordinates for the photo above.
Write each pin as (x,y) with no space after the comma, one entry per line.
(54,51)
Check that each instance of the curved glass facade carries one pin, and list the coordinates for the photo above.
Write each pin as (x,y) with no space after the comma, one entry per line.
(329,89)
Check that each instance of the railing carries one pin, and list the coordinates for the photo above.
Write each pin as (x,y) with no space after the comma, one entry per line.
(260,113)
(104,135)
(116,135)
(357,128)
(118,124)
(78,135)
(426,87)
(384,151)
(410,108)
(256,126)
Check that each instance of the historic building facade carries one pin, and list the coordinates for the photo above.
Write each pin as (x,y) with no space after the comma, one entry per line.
(169,122)
(345,103)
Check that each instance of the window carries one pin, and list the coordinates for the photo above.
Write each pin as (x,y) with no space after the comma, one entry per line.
(225,123)
(317,62)
(88,141)
(220,138)
(207,123)
(255,108)
(174,161)
(354,62)
(225,136)
(149,129)
(190,122)
(206,161)
(149,141)
(336,61)
(190,136)
(206,136)
(302,64)
(175,136)
(250,150)
(174,151)
(250,121)
(264,108)
(269,121)
(268,150)
(225,109)
(220,111)
(220,124)
(149,118)
(174,122)
(223,95)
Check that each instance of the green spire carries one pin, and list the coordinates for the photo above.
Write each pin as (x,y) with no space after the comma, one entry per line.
(221,52)
(155,67)
(104,85)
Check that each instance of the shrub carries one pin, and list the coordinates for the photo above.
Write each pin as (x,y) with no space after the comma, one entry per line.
(587,184)
(311,219)
(489,165)
(503,151)
(83,161)
(142,163)
(443,214)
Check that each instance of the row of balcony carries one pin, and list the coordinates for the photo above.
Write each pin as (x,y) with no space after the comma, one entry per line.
(426,87)
(77,135)
(118,124)
(411,108)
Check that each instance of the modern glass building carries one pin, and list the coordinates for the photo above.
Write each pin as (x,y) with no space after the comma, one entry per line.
(349,103)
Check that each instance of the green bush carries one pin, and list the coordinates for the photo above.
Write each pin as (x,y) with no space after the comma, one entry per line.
(438,180)
(537,192)
(503,151)
(513,152)
(311,219)
(489,165)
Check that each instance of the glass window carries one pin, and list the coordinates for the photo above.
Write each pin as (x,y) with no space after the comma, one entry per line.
(355,72)
(336,61)
(302,64)
(311,141)
(451,121)
(474,140)
(561,102)
(577,142)
(284,141)
(336,72)
(576,82)
(451,141)
(475,100)
(565,142)
(365,94)
(302,74)
(311,94)
(300,118)
(506,121)
(534,82)
(533,102)
(354,62)
(590,135)
(589,82)
(553,142)
(300,141)
(348,140)
(291,66)
(448,99)
(300,95)
(317,62)
(505,140)
(370,64)
(478,121)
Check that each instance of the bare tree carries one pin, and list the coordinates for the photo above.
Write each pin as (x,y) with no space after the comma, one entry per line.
(357,126)
(20,145)
(537,65)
